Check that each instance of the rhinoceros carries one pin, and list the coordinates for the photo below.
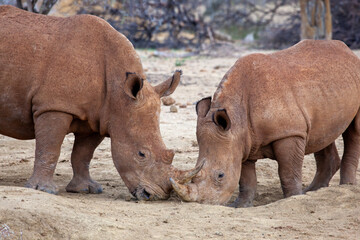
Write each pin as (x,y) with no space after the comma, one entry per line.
(280,106)
(79,75)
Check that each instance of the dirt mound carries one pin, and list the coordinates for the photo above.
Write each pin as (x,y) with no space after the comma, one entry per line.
(331,212)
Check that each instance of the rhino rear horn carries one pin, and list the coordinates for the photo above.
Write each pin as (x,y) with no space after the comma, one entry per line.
(133,85)
(168,87)
(203,106)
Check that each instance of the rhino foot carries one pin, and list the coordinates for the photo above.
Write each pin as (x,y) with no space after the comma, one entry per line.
(241,204)
(84,186)
(48,186)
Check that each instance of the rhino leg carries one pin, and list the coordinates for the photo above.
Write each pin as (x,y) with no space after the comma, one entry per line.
(50,130)
(247,185)
(350,159)
(327,164)
(83,150)
(289,153)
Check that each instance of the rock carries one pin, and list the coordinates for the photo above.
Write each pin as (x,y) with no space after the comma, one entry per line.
(167,101)
(249,38)
(173,109)
(194,143)
(217,67)
(182,106)
(222,36)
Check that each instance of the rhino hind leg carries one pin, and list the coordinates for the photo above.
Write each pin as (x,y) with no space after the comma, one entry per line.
(289,153)
(350,159)
(327,164)
(83,150)
(247,185)
(50,130)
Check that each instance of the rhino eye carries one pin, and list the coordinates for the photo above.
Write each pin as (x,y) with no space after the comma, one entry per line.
(141,154)
(221,175)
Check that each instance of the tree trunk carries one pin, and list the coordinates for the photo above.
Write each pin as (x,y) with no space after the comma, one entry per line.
(315,19)
(328,23)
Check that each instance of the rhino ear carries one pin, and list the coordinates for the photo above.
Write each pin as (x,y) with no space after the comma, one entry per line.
(203,106)
(221,118)
(168,156)
(133,85)
(168,87)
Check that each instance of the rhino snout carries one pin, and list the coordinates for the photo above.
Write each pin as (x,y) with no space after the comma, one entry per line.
(146,193)
(141,193)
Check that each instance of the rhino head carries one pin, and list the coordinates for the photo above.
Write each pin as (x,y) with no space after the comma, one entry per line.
(220,156)
(138,151)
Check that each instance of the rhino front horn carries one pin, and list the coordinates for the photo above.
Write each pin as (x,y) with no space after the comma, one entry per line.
(186,176)
(185,192)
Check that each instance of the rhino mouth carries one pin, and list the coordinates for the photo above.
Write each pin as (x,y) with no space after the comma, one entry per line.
(142,194)
(147,194)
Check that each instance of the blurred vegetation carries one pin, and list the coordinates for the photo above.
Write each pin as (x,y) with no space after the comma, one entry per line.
(346,22)
(184,23)
(197,24)
(180,62)
(44,6)
(345,27)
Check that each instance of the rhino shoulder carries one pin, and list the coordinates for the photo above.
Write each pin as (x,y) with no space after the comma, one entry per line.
(9,10)
(90,22)
(246,66)
(251,60)
(321,46)
(6,8)
(110,33)
(241,73)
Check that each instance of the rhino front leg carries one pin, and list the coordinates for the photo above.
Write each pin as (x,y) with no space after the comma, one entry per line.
(83,150)
(289,153)
(327,164)
(50,130)
(247,185)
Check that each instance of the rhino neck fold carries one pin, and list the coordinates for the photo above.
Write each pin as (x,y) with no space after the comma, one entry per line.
(248,146)
(104,118)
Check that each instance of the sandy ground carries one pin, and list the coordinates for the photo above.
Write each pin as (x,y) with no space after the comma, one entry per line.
(330,213)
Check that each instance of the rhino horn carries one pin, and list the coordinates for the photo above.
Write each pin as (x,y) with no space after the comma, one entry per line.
(185,192)
(186,176)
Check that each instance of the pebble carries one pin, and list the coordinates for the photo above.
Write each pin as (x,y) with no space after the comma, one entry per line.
(173,109)
(194,143)
(167,101)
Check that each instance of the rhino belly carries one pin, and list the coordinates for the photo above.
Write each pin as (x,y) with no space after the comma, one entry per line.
(15,112)
(16,126)
(326,130)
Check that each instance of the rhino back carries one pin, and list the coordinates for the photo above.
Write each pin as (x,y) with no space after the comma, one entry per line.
(309,90)
(54,64)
